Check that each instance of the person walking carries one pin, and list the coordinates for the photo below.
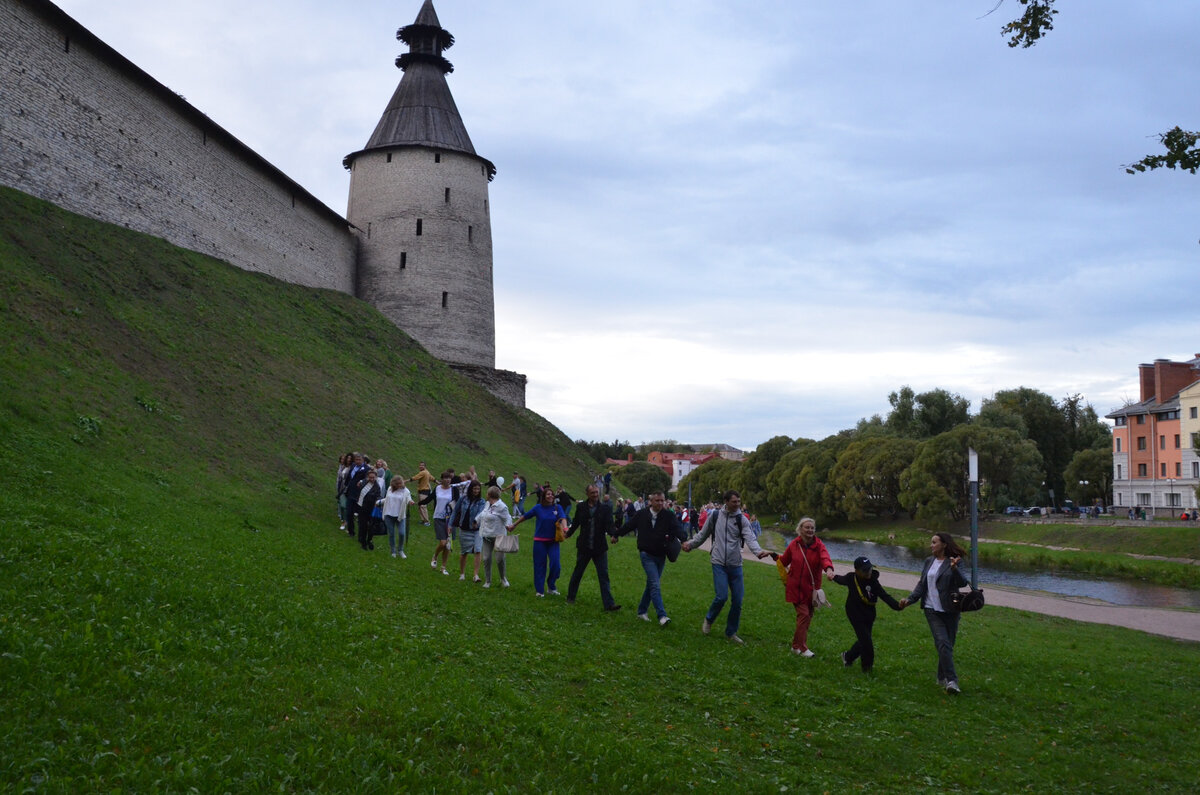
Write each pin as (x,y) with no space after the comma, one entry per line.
(729,531)
(864,591)
(654,526)
(805,559)
(595,519)
(941,577)
(465,519)
(367,494)
(494,522)
(395,515)
(424,481)
(546,563)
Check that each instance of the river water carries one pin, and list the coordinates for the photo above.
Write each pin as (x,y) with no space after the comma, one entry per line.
(1117,592)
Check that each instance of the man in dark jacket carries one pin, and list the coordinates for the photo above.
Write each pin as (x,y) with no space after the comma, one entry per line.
(365,493)
(654,525)
(595,520)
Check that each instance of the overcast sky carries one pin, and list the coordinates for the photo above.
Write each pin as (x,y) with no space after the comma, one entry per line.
(725,221)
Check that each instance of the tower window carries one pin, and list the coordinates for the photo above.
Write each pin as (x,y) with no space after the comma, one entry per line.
(368,230)
(437,157)
(403,260)
(447,195)
(470,233)
(389,157)
(445,299)
(485,206)
(66,44)
(418,226)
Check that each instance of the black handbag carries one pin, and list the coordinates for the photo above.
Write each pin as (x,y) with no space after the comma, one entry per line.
(966,602)
(674,547)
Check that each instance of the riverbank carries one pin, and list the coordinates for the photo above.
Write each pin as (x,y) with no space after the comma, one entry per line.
(1172,623)
(1160,554)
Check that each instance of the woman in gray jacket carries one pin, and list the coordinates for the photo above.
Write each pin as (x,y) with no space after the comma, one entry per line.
(940,577)
(729,530)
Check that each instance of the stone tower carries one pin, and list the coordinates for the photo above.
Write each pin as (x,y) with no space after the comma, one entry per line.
(419,198)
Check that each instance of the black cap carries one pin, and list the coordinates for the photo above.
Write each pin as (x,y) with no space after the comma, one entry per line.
(862,563)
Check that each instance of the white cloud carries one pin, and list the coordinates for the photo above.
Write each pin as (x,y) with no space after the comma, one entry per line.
(722,222)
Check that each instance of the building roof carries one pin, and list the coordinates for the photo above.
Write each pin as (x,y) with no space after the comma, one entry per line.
(422,111)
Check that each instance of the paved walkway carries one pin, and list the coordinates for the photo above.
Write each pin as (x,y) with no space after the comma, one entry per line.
(1173,623)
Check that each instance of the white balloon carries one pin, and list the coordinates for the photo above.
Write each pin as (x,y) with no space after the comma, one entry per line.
(500,481)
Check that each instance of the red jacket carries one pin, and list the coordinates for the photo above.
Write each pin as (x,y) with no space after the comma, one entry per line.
(796,558)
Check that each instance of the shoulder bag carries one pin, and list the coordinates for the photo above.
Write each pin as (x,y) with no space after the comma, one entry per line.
(966,602)
(508,543)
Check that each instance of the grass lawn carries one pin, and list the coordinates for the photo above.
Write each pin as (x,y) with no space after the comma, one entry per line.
(193,652)
(178,611)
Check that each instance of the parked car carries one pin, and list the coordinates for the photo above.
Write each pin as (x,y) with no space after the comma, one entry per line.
(1014,510)
(1034,511)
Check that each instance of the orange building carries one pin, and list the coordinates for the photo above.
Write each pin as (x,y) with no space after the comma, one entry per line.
(1149,444)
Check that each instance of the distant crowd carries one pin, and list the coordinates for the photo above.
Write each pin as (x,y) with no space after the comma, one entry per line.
(470,512)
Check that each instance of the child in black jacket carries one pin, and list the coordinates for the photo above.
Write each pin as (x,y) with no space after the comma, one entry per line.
(865,590)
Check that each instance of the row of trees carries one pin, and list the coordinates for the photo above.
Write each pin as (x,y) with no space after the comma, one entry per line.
(914,460)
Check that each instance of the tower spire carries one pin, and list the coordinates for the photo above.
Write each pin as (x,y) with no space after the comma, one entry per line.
(422,110)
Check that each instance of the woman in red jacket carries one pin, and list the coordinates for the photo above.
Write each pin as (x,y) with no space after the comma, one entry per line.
(805,559)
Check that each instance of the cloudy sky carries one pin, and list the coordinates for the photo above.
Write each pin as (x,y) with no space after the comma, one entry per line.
(724,221)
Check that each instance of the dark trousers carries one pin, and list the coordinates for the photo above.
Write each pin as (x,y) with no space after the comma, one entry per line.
(863,646)
(600,559)
(351,515)
(944,628)
(364,527)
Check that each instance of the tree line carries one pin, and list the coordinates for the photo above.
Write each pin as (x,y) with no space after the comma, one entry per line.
(914,460)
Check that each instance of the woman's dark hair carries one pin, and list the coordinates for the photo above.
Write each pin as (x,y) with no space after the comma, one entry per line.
(953,550)
(476,489)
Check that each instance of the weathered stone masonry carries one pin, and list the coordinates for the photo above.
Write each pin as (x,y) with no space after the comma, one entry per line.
(83,127)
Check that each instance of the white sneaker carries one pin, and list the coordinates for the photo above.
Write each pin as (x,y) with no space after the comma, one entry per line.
(735,639)
(952,688)
(445,572)
(487,585)
(433,563)
(394,555)
(403,556)
(462,577)
(643,617)
(504,583)
(539,595)
(554,592)
(706,627)
(803,652)
(478,579)
(664,620)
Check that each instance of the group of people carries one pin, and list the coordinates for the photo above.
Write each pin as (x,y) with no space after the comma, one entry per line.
(472,511)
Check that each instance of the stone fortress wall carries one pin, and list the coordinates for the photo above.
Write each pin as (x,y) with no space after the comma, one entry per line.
(83,127)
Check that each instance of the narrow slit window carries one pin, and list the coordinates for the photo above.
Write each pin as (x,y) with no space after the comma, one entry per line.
(445,299)
(470,233)
(447,195)
(389,157)
(437,157)
(66,44)
(403,260)
(418,226)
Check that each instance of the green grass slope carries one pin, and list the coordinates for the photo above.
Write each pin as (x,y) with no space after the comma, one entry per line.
(179,612)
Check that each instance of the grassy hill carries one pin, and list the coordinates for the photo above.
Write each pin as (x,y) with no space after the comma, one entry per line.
(178,610)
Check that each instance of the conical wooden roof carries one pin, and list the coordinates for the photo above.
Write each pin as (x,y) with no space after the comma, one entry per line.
(422,110)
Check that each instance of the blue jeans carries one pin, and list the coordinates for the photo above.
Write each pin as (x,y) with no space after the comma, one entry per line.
(944,627)
(727,580)
(653,564)
(397,527)
(545,556)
